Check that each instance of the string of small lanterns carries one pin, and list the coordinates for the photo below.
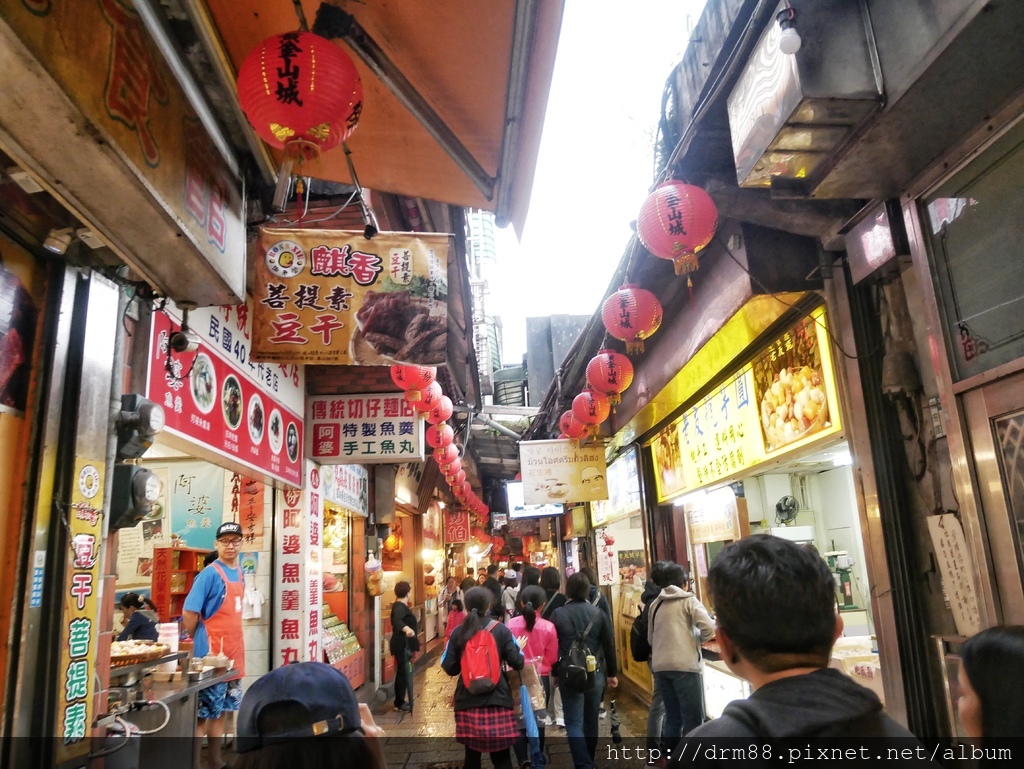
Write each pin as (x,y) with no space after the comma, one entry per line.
(676,221)
(424,394)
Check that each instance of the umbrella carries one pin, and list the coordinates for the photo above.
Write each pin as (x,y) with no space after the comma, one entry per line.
(537,758)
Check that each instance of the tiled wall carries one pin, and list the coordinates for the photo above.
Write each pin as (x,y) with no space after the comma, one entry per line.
(256,632)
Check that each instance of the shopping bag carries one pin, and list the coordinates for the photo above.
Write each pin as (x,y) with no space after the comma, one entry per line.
(531,680)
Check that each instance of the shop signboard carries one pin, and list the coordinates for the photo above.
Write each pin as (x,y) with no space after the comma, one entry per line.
(312,543)
(80,631)
(221,405)
(781,402)
(363,429)
(247,506)
(712,517)
(196,497)
(334,297)
(623,492)
(456,526)
(556,472)
(347,486)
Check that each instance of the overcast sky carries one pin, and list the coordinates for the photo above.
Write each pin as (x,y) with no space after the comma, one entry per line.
(596,160)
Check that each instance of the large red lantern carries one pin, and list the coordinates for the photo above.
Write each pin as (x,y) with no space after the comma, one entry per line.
(676,221)
(456,478)
(631,315)
(610,373)
(300,92)
(440,435)
(445,455)
(450,468)
(441,412)
(425,399)
(591,407)
(413,378)
(571,427)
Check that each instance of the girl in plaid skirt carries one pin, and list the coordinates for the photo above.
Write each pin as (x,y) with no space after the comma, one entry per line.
(484,723)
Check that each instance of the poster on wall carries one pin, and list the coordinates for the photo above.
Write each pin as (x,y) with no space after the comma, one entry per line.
(247,502)
(562,471)
(632,566)
(391,551)
(196,498)
(376,428)
(334,297)
(135,545)
(223,401)
(607,559)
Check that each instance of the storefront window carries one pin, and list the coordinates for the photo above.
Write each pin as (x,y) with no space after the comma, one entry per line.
(976,236)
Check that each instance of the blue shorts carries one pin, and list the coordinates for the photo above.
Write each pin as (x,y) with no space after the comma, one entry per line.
(216,700)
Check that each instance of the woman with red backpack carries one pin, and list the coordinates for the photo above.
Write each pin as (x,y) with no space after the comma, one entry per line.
(485,721)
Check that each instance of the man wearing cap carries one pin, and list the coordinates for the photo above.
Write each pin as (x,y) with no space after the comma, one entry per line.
(212,615)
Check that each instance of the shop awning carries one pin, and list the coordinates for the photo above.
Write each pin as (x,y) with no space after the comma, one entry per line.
(483,68)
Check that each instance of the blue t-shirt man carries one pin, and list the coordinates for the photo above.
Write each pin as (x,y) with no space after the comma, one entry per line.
(205,598)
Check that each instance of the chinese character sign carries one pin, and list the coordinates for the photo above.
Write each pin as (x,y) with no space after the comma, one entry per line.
(363,429)
(312,595)
(348,486)
(247,502)
(456,526)
(291,583)
(562,471)
(713,517)
(334,297)
(196,494)
(79,631)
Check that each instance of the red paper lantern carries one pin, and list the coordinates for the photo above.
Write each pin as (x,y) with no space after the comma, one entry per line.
(300,92)
(452,467)
(440,435)
(456,478)
(413,378)
(460,490)
(610,373)
(441,412)
(676,221)
(425,399)
(631,315)
(571,427)
(445,455)
(591,407)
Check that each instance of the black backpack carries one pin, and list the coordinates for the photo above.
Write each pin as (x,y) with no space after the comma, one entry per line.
(638,643)
(574,675)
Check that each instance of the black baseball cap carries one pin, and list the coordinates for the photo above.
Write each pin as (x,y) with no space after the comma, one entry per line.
(323,692)
(229,528)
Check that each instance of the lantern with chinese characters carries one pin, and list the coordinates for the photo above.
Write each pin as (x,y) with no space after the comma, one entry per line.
(439,436)
(571,427)
(676,221)
(610,373)
(456,478)
(631,315)
(424,400)
(445,455)
(591,407)
(413,378)
(300,92)
(441,412)
(451,467)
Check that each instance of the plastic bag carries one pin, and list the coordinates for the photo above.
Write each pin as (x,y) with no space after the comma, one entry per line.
(532,683)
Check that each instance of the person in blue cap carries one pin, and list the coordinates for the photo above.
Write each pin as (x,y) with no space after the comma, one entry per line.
(306,714)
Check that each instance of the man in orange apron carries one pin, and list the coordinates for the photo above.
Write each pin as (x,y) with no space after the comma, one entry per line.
(212,615)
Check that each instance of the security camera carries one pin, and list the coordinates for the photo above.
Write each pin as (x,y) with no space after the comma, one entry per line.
(184,341)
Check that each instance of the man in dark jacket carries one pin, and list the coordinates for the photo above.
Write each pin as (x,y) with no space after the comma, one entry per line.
(404,642)
(495,587)
(776,624)
(581,708)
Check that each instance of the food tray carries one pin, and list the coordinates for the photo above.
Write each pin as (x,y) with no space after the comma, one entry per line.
(129,659)
(200,675)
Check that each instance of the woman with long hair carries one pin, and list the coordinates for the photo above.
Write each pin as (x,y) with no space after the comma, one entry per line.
(139,621)
(484,722)
(551,581)
(991,704)
(541,647)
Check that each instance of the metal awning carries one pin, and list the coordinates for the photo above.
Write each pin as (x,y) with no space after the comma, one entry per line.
(483,69)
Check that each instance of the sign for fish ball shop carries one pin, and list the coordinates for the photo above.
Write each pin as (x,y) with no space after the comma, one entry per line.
(334,297)
(562,471)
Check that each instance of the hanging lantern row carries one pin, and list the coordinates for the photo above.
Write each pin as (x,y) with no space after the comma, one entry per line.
(423,392)
(301,93)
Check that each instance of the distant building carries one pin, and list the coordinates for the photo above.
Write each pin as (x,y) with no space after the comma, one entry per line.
(486,328)
(548,340)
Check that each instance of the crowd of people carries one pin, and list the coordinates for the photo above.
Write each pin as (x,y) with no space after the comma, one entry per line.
(775,622)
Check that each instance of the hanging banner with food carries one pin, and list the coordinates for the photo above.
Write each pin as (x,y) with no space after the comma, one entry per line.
(562,471)
(334,297)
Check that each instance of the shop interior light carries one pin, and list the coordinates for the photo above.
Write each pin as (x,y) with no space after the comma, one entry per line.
(58,241)
(842,459)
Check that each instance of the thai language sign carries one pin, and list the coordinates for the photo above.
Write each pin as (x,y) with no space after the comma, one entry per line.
(363,429)
(562,471)
(334,297)
(785,399)
(210,398)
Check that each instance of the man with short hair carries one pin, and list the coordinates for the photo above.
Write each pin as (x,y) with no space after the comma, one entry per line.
(776,624)
(492,584)
(212,615)
(404,642)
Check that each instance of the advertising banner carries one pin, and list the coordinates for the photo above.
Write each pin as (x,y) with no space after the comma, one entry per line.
(782,401)
(222,403)
(334,297)
(363,429)
(348,486)
(623,492)
(562,471)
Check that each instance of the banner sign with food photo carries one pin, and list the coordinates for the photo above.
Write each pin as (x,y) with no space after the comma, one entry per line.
(334,297)
(380,428)
(562,471)
(623,492)
(215,401)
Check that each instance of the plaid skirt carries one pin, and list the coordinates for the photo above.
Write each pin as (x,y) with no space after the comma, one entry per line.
(487,729)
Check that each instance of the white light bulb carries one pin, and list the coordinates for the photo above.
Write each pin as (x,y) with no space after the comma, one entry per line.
(790,41)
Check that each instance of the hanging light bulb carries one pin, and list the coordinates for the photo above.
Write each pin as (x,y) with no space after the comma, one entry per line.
(789,41)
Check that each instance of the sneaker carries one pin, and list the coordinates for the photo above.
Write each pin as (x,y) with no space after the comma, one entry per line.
(405,707)
(560,722)
(603,713)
